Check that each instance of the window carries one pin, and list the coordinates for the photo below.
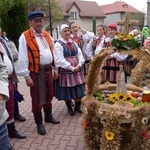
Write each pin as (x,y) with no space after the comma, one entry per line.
(73,15)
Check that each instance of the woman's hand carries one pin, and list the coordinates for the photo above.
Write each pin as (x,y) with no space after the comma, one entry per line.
(94,43)
(109,57)
(76,69)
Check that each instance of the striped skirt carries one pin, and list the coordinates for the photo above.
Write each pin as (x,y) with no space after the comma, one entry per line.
(70,85)
(110,70)
(68,93)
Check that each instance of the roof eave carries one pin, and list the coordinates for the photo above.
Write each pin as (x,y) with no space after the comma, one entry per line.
(122,12)
(92,16)
(74,3)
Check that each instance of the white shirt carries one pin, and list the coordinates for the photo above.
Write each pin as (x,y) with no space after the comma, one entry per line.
(45,53)
(3,91)
(3,112)
(60,60)
(86,37)
(23,62)
(89,51)
(7,60)
(118,56)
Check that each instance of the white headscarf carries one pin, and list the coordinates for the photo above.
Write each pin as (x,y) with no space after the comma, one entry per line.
(63,26)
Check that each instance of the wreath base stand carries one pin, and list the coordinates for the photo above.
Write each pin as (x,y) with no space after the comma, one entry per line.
(111,127)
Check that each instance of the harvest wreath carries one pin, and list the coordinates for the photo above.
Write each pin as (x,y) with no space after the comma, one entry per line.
(119,121)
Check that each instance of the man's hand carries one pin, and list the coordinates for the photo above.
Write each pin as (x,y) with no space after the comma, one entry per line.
(1,97)
(55,76)
(29,82)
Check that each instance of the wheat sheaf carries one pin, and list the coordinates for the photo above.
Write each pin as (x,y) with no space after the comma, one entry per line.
(94,78)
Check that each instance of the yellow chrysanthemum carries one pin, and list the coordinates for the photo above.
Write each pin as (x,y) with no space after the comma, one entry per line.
(121,97)
(109,135)
(129,98)
(127,37)
(130,37)
(113,97)
(125,42)
(120,36)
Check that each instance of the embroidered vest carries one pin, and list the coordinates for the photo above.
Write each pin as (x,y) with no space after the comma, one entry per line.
(33,49)
(67,52)
(66,77)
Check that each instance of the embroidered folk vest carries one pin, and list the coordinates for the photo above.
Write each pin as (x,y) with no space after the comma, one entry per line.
(69,53)
(33,49)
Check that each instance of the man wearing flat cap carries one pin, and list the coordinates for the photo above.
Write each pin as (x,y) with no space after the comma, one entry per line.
(37,15)
(35,64)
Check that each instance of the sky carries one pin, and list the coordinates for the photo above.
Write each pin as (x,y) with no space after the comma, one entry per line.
(138,4)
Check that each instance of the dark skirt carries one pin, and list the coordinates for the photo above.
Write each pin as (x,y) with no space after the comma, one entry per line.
(68,93)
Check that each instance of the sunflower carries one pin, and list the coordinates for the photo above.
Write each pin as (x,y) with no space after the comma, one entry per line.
(109,135)
(129,98)
(121,97)
(113,98)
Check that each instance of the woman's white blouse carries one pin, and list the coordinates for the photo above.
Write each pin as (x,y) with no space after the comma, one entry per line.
(60,60)
(118,56)
(89,51)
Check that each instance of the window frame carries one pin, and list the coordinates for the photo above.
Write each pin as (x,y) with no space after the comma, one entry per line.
(73,15)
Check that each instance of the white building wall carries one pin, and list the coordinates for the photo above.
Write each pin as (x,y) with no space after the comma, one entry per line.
(85,22)
(114,18)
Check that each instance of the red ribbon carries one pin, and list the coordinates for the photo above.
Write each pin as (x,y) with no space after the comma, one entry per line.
(76,39)
(40,35)
(69,45)
(98,41)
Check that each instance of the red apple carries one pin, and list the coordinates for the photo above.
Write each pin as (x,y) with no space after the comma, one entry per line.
(135,94)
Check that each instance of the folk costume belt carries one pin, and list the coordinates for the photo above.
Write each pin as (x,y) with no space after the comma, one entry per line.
(48,67)
(41,80)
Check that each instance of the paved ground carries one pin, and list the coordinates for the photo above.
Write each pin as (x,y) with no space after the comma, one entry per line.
(64,136)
